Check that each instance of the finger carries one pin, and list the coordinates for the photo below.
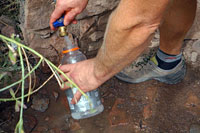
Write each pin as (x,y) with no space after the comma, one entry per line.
(65,68)
(63,77)
(66,86)
(69,17)
(57,13)
(77,97)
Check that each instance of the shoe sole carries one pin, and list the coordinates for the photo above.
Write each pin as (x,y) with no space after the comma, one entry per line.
(173,78)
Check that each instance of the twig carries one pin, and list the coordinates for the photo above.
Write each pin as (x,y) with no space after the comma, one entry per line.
(19,81)
(56,76)
(30,78)
(18,98)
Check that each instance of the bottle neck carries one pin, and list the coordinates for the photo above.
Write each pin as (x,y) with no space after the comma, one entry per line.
(70,47)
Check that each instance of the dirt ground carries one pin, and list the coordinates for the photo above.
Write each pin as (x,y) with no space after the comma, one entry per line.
(149,107)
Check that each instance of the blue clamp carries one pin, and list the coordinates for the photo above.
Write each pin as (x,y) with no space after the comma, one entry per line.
(59,22)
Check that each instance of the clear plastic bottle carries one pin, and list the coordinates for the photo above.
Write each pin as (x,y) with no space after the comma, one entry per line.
(83,108)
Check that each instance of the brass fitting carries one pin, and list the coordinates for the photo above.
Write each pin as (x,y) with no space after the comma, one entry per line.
(62,31)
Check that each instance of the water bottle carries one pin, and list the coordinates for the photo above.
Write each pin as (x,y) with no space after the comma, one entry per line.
(84,108)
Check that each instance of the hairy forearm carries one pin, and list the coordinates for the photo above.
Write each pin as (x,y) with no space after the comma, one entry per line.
(128,33)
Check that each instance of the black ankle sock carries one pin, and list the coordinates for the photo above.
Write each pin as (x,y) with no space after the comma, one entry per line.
(167,61)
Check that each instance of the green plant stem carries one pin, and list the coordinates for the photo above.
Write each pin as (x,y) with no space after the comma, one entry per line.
(22,91)
(41,59)
(18,98)
(67,78)
(21,45)
(19,81)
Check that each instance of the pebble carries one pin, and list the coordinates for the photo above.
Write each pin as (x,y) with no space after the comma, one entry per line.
(56,95)
(40,102)
(47,118)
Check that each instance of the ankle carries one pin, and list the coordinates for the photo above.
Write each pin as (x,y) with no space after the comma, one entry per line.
(167,61)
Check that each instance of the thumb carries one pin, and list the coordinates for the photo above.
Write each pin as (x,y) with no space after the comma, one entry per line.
(57,13)
(77,97)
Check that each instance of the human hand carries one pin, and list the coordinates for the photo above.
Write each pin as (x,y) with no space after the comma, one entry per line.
(70,8)
(83,74)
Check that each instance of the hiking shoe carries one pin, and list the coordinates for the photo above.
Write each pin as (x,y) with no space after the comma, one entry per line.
(151,71)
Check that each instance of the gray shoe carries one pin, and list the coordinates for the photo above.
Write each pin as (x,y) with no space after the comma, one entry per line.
(152,71)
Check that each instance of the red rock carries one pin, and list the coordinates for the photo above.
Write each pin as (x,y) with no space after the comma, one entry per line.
(75,126)
(147,112)
(193,103)
(117,115)
(41,129)
(65,103)
(8,30)
(151,93)
(30,123)
(55,130)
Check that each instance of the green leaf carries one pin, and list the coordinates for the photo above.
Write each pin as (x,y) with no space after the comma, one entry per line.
(12,93)
(16,37)
(12,57)
(2,75)
(17,107)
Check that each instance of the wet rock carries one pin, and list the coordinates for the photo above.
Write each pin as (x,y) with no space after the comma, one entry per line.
(40,102)
(30,123)
(194,128)
(118,116)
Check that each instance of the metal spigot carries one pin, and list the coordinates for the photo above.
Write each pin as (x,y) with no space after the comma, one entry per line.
(61,27)
(62,31)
